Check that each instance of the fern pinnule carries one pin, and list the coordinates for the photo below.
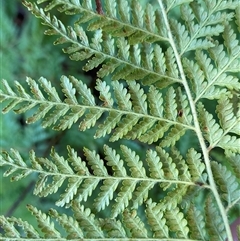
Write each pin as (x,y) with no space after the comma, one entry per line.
(214,225)
(196,219)
(227,118)
(113,228)
(195,165)
(155,165)
(87,221)
(9,229)
(115,162)
(234,160)
(177,223)
(44,223)
(70,225)
(227,183)
(211,129)
(134,224)
(156,220)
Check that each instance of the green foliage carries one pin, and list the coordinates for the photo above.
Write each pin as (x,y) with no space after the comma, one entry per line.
(167,64)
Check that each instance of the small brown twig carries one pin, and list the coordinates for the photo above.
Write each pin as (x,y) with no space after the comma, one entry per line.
(99,7)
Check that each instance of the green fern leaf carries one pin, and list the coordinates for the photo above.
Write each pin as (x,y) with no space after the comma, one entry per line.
(123,197)
(106,194)
(98,50)
(173,63)
(114,161)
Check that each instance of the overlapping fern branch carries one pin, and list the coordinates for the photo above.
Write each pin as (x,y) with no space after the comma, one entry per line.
(131,113)
(127,174)
(148,46)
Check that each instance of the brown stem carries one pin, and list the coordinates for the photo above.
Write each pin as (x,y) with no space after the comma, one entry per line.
(20,199)
(99,7)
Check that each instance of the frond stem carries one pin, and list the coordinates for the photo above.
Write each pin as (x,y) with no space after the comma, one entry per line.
(197,126)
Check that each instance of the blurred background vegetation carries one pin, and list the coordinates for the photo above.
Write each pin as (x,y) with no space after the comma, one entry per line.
(26,51)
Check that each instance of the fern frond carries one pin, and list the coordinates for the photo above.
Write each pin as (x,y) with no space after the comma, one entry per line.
(119,59)
(168,62)
(87,226)
(125,188)
(138,114)
(124,21)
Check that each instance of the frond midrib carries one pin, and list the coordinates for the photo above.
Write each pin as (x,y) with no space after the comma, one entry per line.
(199,133)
